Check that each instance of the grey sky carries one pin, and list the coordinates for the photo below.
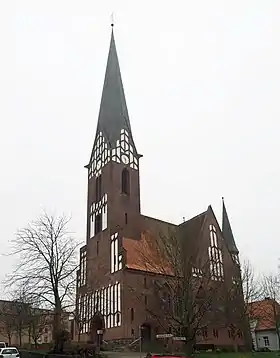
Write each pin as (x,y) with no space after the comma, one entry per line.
(202,83)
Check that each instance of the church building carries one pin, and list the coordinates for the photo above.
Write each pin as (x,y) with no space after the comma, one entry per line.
(115,284)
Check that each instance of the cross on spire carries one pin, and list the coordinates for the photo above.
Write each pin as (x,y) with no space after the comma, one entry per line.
(112,20)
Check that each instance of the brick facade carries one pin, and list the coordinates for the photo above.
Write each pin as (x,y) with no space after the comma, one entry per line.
(114,285)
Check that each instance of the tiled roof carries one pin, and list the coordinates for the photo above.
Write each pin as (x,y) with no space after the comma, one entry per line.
(146,255)
(263,313)
(192,227)
(142,255)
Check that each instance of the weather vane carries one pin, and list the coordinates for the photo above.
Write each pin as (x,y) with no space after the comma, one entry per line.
(112,19)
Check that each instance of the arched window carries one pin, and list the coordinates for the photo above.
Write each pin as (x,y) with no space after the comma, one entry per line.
(125,181)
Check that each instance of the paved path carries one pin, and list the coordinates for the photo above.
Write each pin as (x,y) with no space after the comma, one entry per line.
(125,354)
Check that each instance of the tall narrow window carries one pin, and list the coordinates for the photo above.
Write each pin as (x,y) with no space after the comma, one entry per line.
(125,218)
(145,282)
(125,181)
(98,224)
(215,256)
(98,184)
(83,263)
(116,256)
(235,258)
(131,315)
(97,248)
(169,301)
(204,332)
(91,220)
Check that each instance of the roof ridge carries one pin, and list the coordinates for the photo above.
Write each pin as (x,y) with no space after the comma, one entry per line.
(194,217)
(160,220)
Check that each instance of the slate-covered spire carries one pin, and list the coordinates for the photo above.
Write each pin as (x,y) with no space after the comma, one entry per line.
(227,232)
(113,113)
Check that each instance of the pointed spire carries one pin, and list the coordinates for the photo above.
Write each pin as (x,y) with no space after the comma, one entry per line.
(113,113)
(227,232)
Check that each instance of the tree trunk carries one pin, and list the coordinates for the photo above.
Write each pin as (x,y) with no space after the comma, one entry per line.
(235,346)
(57,327)
(248,341)
(189,346)
(20,336)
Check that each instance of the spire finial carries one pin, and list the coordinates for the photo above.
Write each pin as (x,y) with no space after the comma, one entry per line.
(223,198)
(112,20)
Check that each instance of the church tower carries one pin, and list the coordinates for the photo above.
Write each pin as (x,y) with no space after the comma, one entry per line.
(113,169)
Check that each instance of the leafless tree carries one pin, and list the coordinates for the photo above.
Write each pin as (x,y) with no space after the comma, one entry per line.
(7,320)
(251,283)
(79,321)
(39,320)
(185,297)
(21,318)
(21,306)
(271,311)
(244,289)
(47,265)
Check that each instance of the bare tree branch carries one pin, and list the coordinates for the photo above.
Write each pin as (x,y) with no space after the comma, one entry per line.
(186,293)
(47,264)
(271,311)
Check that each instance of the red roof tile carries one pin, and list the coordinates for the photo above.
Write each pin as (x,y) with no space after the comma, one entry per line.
(146,255)
(264,313)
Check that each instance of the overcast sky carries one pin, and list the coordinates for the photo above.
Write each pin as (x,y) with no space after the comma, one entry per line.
(202,83)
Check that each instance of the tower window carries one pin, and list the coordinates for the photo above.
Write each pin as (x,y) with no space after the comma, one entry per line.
(125,218)
(97,248)
(98,184)
(125,181)
(98,224)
